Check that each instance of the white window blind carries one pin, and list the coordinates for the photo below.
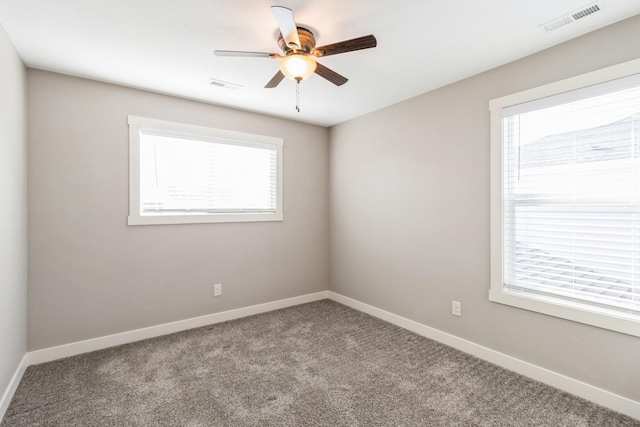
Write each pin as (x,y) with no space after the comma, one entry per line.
(571,197)
(182,175)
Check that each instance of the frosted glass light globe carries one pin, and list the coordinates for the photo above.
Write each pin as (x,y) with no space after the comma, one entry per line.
(297,67)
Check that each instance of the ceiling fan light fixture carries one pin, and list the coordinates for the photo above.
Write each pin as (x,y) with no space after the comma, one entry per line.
(297,67)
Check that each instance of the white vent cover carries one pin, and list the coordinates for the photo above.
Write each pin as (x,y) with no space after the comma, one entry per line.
(222,83)
(571,17)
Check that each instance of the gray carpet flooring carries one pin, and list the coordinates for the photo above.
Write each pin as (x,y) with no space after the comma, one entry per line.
(318,364)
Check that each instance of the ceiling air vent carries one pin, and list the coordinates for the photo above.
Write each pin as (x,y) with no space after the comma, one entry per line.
(554,24)
(222,83)
(557,23)
(584,12)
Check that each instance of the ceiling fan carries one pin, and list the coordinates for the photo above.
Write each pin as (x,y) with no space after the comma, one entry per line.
(299,51)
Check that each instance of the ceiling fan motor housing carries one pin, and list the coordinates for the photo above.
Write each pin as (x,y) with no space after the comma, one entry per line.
(307,42)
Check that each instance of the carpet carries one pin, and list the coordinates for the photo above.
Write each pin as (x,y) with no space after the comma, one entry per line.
(317,364)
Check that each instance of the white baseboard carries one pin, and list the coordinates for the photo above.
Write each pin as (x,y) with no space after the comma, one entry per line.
(554,379)
(594,394)
(72,349)
(13,385)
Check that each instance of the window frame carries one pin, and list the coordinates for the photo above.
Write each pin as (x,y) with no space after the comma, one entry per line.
(627,323)
(138,124)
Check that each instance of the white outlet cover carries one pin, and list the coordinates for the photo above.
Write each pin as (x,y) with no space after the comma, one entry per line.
(456,308)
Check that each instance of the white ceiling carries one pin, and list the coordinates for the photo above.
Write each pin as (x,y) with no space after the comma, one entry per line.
(167,46)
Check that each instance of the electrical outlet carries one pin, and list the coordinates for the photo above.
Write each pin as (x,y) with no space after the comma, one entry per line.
(217,289)
(456,308)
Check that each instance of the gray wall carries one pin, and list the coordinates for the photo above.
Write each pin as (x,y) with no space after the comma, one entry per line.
(410,216)
(13,215)
(91,275)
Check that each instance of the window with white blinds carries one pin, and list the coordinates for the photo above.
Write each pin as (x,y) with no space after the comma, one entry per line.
(185,174)
(570,201)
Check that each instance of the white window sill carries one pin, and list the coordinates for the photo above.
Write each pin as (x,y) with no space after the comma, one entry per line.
(198,218)
(626,323)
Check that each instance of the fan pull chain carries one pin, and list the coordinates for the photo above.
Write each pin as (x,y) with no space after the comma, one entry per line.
(298,94)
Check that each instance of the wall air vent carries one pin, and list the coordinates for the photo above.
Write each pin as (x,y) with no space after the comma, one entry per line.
(223,84)
(568,18)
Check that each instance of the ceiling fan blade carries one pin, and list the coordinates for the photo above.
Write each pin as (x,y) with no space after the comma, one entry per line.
(244,54)
(287,25)
(330,75)
(359,43)
(275,80)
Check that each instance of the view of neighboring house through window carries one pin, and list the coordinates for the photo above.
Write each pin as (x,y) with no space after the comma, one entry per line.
(570,204)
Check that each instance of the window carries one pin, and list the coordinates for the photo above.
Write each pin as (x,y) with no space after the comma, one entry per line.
(191,174)
(565,207)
